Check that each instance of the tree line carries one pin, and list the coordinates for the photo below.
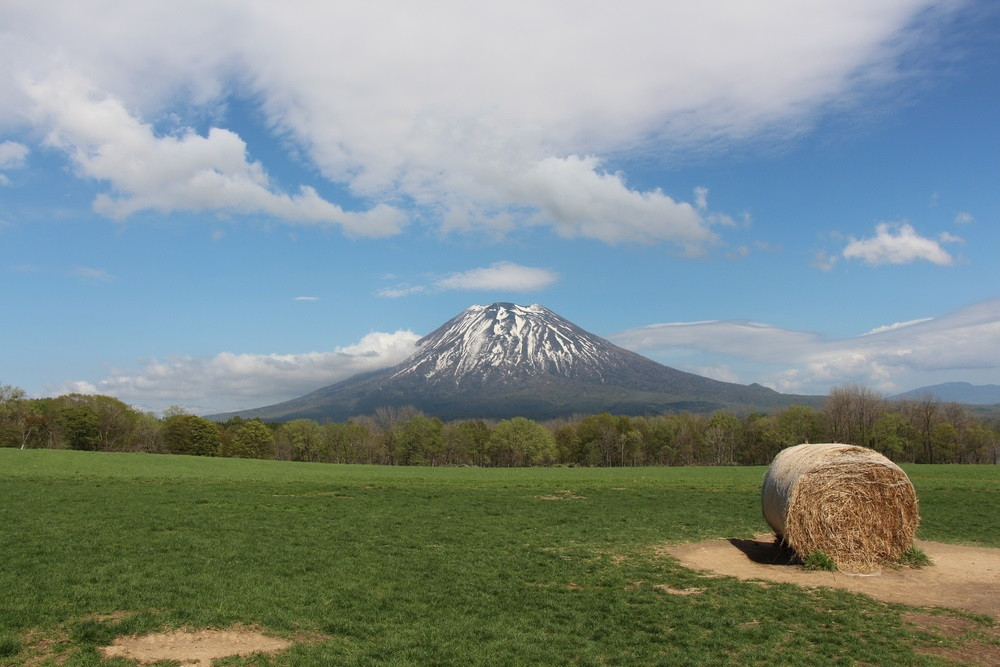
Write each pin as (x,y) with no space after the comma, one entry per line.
(924,430)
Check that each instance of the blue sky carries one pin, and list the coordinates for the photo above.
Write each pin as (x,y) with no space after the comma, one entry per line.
(222,205)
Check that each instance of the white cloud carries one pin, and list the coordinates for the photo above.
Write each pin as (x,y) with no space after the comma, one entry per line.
(12,155)
(892,357)
(433,103)
(399,292)
(964,218)
(581,200)
(231,381)
(306,298)
(91,274)
(500,276)
(896,325)
(899,243)
(186,172)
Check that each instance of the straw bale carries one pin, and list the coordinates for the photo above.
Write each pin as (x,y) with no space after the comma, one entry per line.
(851,503)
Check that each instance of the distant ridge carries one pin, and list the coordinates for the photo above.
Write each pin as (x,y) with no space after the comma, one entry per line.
(957,392)
(504,360)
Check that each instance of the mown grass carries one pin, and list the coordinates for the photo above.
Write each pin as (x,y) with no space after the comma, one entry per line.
(382,565)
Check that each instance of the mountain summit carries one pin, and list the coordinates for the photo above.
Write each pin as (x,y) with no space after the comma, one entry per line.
(504,360)
(508,345)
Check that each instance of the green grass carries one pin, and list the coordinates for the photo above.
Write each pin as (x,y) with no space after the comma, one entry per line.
(818,560)
(425,566)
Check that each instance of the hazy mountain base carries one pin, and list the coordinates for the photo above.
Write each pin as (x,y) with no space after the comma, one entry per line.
(536,400)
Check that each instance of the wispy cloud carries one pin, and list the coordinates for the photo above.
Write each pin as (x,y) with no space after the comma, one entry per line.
(12,156)
(899,243)
(824,261)
(797,361)
(964,218)
(401,291)
(501,276)
(306,298)
(91,274)
(231,381)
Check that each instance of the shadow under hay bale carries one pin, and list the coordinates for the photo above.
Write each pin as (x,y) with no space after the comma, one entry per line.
(851,503)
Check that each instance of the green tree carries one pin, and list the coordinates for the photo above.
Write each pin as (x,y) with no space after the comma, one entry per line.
(944,440)
(761,438)
(978,441)
(16,424)
(188,434)
(80,428)
(465,442)
(252,439)
(304,439)
(519,442)
(419,441)
(893,436)
(799,424)
(353,442)
(601,439)
(567,443)
(658,435)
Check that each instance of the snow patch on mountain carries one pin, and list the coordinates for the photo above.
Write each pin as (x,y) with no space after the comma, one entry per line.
(505,340)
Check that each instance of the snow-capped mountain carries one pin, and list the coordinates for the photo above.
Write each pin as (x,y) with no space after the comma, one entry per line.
(508,344)
(504,360)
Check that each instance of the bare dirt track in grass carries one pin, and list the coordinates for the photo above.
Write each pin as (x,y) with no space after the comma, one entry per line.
(194,647)
(965,578)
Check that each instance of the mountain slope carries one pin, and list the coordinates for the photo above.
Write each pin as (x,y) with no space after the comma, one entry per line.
(505,360)
(958,392)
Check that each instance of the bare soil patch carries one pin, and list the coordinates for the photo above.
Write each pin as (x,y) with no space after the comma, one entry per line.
(966,578)
(194,647)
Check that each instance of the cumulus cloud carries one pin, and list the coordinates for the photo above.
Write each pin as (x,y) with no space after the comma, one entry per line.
(899,243)
(886,357)
(429,104)
(185,172)
(230,381)
(500,276)
(582,200)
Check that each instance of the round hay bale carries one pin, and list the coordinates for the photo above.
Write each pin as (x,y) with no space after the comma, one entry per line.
(851,503)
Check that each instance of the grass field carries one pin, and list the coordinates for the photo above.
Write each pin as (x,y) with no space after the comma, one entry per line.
(380,565)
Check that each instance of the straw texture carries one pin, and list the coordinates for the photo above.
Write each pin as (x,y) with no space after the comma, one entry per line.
(851,503)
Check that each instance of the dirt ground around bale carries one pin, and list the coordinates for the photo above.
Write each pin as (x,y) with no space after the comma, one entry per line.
(965,578)
(194,647)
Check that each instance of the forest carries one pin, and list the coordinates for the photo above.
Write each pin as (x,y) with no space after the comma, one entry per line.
(923,430)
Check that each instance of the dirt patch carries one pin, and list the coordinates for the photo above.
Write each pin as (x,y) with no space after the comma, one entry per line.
(941,624)
(966,578)
(562,494)
(973,645)
(969,654)
(194,647)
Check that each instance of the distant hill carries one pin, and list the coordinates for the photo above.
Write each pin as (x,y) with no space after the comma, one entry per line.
(504,360)
(958,392)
